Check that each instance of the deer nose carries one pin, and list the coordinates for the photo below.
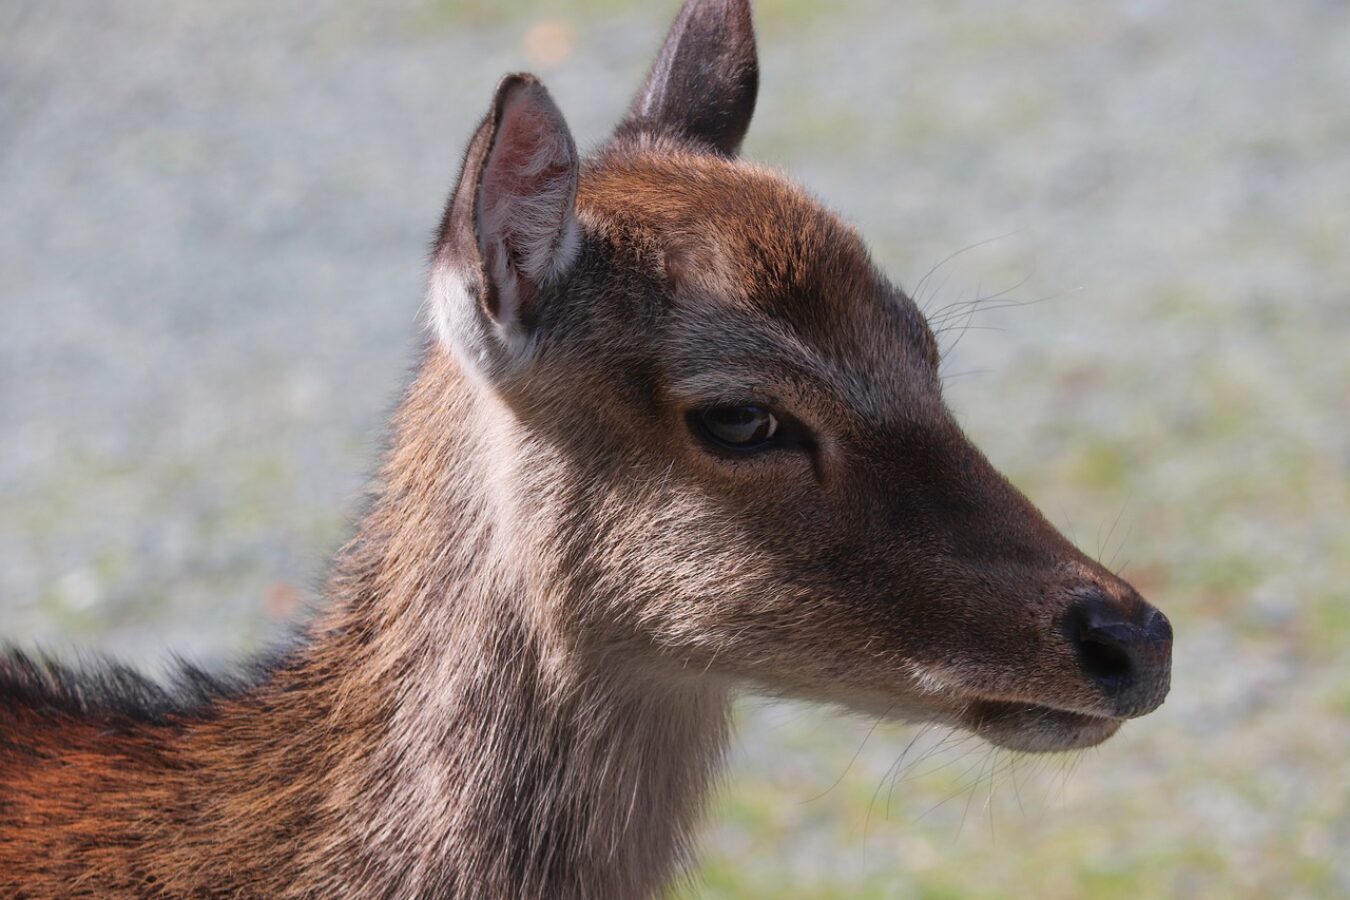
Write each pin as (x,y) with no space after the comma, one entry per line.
(1128,654)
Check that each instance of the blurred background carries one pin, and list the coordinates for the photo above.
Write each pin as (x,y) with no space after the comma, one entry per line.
(214,218)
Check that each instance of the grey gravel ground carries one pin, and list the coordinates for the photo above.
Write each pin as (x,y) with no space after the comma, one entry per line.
(213,221)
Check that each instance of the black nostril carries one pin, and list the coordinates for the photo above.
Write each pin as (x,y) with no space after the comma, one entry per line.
(1107,643)
(1105,652)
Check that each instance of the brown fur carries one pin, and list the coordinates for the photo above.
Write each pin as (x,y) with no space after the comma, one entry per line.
(520,686)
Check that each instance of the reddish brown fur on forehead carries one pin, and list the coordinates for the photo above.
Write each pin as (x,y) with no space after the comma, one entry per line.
(746,228)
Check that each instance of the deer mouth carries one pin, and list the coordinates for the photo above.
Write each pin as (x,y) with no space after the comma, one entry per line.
(1033,728)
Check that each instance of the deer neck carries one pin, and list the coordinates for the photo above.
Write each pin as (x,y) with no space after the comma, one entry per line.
(512,759)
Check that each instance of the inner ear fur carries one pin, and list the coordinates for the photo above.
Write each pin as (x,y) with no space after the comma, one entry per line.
(510,229)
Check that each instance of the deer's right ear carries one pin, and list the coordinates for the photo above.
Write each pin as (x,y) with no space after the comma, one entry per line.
(510,231)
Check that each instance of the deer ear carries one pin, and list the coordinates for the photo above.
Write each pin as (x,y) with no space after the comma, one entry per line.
(702,86)
(510,232)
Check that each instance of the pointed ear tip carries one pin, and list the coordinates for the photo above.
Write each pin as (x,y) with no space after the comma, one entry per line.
(737,9)
(512,81)
(730,5)
(517,86)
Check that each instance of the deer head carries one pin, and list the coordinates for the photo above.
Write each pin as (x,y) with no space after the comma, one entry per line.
(721,437)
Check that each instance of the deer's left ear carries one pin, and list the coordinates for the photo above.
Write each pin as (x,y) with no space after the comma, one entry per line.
(510,232)
(703,84)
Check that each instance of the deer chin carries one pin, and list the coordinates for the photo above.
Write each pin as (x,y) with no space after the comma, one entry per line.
(1033,728)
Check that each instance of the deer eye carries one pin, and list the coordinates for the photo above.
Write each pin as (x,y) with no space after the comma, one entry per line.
(742,427)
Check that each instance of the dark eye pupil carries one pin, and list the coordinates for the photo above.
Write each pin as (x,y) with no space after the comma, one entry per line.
(739,426)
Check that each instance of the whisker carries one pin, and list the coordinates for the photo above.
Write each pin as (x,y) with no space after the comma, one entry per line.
(958,792)
(1115,523)
(918,288)
(979,777)
(1129,530)
(1017,788)
(982,301)
(946,378)
(899,761)
(856,754)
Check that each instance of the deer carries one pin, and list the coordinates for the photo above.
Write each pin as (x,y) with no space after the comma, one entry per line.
(673,437)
